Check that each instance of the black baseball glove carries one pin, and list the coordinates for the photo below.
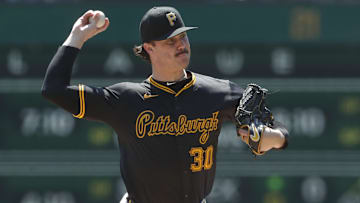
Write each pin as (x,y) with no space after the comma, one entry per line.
(253,115)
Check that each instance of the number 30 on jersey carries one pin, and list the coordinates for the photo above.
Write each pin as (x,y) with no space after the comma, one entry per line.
(203,159)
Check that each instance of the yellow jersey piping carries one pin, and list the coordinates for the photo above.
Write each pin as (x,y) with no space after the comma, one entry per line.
(82,102)
(169,90)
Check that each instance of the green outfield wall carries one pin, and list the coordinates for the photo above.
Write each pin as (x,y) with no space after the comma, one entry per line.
(219,23)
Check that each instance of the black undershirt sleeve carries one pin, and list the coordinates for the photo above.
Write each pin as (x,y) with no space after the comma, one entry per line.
(59,71)
(56,85)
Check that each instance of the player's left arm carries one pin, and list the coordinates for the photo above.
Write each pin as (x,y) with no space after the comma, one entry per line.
(256,124)
(261,133)
(274,137)
(271,138)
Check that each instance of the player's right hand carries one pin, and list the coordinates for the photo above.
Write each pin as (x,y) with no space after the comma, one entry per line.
(83,30)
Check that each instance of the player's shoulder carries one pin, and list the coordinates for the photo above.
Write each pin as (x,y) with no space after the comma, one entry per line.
(128,87)
(214,83)
(216,86)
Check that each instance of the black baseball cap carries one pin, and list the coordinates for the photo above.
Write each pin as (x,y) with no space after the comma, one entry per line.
(161,23)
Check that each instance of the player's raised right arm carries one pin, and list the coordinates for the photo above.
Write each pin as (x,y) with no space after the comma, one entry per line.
(56,86)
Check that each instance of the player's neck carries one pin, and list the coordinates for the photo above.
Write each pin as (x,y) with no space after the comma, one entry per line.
(168,76)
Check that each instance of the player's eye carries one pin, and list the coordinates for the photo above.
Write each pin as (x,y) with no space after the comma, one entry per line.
(170,42)
(183,35)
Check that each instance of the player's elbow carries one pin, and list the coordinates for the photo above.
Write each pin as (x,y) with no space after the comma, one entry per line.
(45,92)
(49,93)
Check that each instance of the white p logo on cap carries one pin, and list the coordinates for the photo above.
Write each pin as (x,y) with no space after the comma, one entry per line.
(171,18)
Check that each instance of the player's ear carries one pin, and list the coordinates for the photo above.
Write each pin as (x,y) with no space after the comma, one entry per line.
(148,47)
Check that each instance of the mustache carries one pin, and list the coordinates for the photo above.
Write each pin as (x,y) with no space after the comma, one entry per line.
(185,51)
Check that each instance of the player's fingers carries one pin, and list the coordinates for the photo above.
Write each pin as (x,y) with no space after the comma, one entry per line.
(96,17)
(85,17)
(88,13)
(244,138)
(243,132)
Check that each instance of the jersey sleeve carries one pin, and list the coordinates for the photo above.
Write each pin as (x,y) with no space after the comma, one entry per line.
(80,100)
(93,103)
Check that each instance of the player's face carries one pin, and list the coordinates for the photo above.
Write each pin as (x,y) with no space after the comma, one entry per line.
(173,52)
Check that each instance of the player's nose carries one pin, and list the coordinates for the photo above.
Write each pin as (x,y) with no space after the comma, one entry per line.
(181,44)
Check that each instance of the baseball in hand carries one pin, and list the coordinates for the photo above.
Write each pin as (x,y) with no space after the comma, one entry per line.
(101,19)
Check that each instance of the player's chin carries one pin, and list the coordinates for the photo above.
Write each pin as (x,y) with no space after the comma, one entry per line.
(184,63)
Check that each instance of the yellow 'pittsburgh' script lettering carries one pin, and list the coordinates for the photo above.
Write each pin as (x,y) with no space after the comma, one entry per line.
(147,124)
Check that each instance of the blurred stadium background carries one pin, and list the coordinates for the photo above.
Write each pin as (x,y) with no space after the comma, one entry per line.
(306,52)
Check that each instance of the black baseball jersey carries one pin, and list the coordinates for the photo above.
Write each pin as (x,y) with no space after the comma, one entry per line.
(167,136)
